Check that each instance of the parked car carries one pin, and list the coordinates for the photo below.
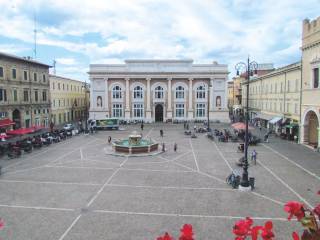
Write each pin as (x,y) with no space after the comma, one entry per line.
(68,127)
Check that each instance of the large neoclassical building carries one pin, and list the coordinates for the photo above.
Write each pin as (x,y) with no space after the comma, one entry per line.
(159,90)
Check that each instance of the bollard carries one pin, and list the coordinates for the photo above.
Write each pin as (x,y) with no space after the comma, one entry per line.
(251,181)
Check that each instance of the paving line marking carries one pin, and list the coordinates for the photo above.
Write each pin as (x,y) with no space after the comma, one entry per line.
(81,154)
(50,182)
(155,170)
(194,155)
(201,173)
(149,132)
(186,215)
(293,162)
(221,154)
(37,208)
(171,187)
(80,167)
(124,162)
(70,227)
(285,184)
(268,198)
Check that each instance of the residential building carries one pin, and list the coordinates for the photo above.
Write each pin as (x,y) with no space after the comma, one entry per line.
(159,90)
(68,99)
(310,107)
(274,99)
(24,91)
(230,94)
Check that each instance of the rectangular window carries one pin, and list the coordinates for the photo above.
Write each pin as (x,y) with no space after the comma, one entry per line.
(58,86)
(53,85)
(44,78)
(14,73)
(1,72)
(3,95)
(117,110)
(44,96)
(288,86)
(316,77)
(201,110)
(179,110)
(280,106)
(296,108)
(288,107)
(35,77)
(25,75)
(36,95)
(15,95)
(138,110)
(25,95)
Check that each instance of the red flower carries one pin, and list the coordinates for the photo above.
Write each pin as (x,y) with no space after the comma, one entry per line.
(294,209)
(186,232)
(316,210)
(295,236)
(166,236)
(242,227)
(1,223)
(267,233)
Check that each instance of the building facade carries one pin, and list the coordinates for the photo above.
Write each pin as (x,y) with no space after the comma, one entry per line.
(310,107)
(69,100)
(159,90)
(274,99)
(24,91)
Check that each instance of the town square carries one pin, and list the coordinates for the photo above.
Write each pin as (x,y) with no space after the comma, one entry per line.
(164,120)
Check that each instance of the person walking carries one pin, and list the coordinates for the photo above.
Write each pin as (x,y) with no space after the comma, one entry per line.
(161,133)
(175,147)
(163,147)
(142,126)
(254,156)
(109,139)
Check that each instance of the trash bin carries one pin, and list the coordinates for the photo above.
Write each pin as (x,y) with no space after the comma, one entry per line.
(251,181)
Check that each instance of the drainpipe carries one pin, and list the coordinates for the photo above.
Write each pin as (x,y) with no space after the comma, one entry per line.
(301,128)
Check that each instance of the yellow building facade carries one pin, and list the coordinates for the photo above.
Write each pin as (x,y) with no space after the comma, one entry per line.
(69,102)
(310,107)
(274,99)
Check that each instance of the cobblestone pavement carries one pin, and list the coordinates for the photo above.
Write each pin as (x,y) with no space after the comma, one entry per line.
(73,190)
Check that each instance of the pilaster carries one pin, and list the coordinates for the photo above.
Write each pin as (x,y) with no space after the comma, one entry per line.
(127,107)
(148,110)
(190,106)
(105,104)
(169,109)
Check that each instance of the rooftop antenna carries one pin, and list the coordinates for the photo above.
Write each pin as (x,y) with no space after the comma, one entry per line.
(35,35)
(54,66)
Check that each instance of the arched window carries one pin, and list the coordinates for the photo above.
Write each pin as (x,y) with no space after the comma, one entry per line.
(158,92)
(180,92)
(138,92)
(201,92)
(116,92)
(218,101)
(99,101)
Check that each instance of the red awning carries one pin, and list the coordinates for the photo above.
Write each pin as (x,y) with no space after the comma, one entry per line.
(241,126)
(6,122)
(21,131)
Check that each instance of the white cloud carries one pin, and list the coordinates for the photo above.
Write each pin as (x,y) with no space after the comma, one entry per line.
(206,30)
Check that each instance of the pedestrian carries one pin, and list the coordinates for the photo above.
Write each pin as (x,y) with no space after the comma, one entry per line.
(187,126)
(175,147)
(51,126)
(184,125)
(254,156)
(266,138)
(195,128)
(161,133)
(142,126)
(109,139)
(163,147)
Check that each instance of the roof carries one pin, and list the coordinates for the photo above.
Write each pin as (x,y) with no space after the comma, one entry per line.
(29,60)
(64,78)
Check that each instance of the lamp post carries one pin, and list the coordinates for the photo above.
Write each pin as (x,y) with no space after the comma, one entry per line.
(249,68)
(85,86)
(208,107)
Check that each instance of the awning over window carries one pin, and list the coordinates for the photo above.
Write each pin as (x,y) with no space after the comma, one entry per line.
(22,131)
(6,122)
(264,116)
(275,120)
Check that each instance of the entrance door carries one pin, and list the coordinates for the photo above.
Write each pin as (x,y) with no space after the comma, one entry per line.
(16,118)
(159,113)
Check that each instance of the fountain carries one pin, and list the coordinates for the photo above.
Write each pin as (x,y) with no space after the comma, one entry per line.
(135,144)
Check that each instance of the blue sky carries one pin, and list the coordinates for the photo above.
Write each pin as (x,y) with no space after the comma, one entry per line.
(77,33)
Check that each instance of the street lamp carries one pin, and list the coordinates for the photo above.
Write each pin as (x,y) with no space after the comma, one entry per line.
(249,67)
(85,87)
(209,86)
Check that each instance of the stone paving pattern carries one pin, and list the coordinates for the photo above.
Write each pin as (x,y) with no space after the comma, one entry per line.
(74,190)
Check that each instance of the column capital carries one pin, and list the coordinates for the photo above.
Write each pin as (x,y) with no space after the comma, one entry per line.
(148,79)
(106,79)
(169,78)
(190,79)
(127,79)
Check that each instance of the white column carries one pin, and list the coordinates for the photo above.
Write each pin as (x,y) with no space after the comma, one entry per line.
(190,107)
(148,110)
(106,95)
(91,110)
(169,109)
(211,100)
(127,107)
